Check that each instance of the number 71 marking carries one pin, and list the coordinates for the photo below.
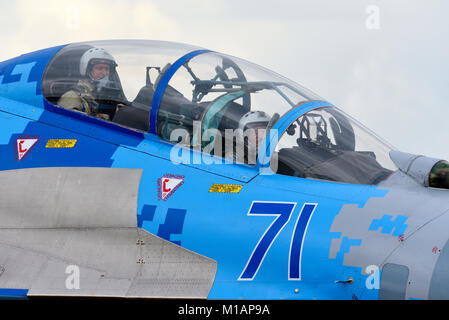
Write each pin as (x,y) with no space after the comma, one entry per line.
(284,211)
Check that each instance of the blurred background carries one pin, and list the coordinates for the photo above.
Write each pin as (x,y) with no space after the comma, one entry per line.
(383,62)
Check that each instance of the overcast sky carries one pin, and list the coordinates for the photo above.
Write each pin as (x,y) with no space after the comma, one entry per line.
(386,63)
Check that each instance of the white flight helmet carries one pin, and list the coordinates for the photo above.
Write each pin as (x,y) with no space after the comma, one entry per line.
(95,56)
(252,119)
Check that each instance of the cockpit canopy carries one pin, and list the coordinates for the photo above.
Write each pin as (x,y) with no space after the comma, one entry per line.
(325,143)
(131,82)
(219,105)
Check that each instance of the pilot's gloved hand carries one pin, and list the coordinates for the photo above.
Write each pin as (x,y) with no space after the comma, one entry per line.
(86,107)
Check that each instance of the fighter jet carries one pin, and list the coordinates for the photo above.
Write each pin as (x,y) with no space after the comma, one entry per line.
(154,169)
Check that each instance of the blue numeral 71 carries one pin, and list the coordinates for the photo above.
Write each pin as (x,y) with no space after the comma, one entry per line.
(284,211)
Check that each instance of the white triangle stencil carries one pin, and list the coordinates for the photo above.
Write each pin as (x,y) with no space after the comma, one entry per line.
(23,146)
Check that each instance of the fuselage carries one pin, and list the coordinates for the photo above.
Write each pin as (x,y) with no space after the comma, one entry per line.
(317,234)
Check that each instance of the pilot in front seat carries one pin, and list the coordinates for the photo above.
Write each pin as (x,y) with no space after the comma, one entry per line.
(96,66)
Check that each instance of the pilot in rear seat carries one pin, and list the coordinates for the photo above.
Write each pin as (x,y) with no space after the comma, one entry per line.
(250,135)
(96,66)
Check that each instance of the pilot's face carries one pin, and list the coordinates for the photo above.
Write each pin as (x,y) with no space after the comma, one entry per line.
(99,71)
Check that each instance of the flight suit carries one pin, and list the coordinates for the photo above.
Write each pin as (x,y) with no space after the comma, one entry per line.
(82,99)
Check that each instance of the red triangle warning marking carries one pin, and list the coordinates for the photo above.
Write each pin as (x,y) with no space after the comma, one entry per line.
(167,185)
(23,146)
